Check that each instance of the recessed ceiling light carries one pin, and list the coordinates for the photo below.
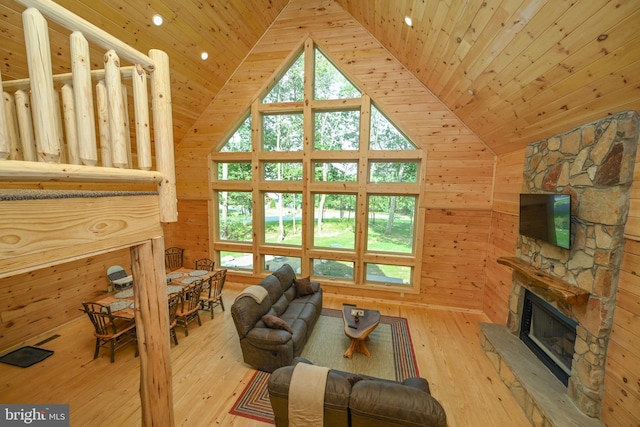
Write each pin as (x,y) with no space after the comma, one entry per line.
(408,21)
(157,20)
(204,55)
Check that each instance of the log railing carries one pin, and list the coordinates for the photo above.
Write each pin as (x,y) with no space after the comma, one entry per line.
(45,139)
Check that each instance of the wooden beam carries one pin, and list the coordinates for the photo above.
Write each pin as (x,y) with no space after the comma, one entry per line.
(74,23)
(152,329)
(13,170)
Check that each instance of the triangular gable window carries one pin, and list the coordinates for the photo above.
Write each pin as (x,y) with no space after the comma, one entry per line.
(385,135)
(240,141)
(331,83)
(290,87)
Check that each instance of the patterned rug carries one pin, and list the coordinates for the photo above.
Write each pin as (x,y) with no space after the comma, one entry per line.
(254,402)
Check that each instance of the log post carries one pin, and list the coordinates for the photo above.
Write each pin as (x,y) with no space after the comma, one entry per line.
(83,99)
(11,123)
(117,126)
(25,125)
(5,145)
(57,113)
(103,124)
(141,110)
(36,38)
(163,135)
(152,328)
(69,116)
(127,128)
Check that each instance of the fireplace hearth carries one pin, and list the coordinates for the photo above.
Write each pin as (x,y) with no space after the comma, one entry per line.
(549,334)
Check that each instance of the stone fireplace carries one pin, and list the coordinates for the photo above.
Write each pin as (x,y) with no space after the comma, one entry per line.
(594,164)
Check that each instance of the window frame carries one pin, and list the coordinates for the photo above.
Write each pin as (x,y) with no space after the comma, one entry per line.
(308,187)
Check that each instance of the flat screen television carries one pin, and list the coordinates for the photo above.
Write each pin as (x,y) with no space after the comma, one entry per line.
(546,217)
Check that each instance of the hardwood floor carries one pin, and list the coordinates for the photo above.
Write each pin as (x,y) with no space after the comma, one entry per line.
(209,374)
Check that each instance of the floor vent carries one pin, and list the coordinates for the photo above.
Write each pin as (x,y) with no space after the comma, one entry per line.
(46,340)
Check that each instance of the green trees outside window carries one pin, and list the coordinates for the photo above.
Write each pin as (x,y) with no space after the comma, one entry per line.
(323,181)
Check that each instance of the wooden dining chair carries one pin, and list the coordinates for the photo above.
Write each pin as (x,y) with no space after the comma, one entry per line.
(205,264)
(110,332)
(212,297)
(189,306)
(173,258)
(174,303)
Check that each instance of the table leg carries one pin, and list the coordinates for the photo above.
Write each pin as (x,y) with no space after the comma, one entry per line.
(357,346)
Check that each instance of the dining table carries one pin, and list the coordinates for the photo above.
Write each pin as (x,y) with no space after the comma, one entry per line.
(122,304)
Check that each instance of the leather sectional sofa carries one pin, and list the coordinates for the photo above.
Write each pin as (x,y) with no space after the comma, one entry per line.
(292,304)
(369,402)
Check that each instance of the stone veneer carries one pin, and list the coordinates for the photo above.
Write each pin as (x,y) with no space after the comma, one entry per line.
(594,164)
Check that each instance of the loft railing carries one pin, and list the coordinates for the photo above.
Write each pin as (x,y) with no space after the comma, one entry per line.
(45,139)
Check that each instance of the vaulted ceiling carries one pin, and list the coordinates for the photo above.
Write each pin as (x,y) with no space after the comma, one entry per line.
(514,71)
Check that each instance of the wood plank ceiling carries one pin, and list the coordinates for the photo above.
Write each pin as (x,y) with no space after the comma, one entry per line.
(514,71)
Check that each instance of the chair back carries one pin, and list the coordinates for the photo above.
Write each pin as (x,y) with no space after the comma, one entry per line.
(116,272)
(217,283)
(101,318)
(173,258)
(205,264)
(174,302)
(191,297)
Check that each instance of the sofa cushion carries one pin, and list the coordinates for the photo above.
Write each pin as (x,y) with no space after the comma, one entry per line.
(272,285)
(303,286)
(281,306)
(274,322)
(290,293)
(383,401)
(285,275)
(299,336)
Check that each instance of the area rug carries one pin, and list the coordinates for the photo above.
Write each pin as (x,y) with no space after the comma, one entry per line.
(26,356)
(392,357)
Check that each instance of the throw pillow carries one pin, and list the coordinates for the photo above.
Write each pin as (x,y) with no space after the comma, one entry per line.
(303,286)
(274,322)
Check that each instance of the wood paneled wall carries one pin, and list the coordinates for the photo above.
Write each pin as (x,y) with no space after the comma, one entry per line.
(454,257)
(190,232)
(621,405)
(459,166)
(504,233)
(35,302)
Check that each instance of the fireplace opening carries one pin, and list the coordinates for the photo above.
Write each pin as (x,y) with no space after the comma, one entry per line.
(549,334)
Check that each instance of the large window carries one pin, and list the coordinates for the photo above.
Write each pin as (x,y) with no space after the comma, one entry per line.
(323,181)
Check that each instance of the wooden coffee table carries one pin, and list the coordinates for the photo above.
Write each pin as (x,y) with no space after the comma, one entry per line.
(358,331)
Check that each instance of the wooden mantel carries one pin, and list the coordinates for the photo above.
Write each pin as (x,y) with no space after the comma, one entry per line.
(563,291)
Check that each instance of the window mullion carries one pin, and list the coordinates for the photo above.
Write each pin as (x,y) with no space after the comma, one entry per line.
(362,210)
(307,166)
(257,213)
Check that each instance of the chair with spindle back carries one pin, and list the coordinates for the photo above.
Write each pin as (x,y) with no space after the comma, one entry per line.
(174,303)
(213,296)
(189,306)
(173,258)
(110,332)
(205,264)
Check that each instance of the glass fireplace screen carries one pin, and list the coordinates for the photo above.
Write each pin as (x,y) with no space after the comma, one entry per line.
(549,334)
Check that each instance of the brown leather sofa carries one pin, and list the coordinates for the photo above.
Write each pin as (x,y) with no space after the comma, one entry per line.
(369,402)
(268,348)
